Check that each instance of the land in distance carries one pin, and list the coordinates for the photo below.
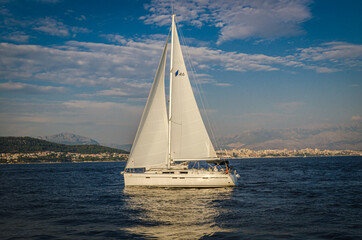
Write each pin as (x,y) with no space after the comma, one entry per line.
(32,150)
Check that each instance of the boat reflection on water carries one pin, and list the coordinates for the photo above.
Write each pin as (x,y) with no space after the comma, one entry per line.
(176,213)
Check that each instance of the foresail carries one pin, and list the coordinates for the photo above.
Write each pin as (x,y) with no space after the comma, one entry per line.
(149,148)
(189,138)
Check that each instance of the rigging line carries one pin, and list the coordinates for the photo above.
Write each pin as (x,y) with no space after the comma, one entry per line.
(198,87)
(172,9)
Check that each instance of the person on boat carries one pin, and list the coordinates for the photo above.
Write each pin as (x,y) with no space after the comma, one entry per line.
(215,169)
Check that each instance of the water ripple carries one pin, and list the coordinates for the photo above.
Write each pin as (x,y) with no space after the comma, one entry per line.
(299,198)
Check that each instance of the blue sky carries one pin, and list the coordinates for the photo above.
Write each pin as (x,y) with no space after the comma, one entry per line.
(86,67)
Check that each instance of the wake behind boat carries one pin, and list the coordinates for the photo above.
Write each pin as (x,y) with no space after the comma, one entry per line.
(166,145)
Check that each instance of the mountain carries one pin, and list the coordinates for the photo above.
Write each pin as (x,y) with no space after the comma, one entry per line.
(28,144)
(69,139)
(336,137)
(126,147)
(73,139)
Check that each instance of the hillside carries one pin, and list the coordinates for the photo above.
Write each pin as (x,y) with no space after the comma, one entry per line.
(337,137)
(28,144)
(69,139)
(126,147)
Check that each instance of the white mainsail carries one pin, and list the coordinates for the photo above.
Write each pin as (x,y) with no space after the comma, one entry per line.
(149,148)
(189,138)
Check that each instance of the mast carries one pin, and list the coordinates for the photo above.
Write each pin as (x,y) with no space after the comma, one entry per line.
(170,97)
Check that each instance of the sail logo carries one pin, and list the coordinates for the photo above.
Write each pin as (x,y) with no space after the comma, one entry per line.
(177,73)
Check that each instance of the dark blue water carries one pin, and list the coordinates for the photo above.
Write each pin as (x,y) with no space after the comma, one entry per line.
(299,198)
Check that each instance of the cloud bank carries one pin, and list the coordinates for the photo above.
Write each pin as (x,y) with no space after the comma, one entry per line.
(128,68)
(237,19)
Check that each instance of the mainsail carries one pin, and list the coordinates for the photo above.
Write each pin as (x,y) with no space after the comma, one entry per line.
(149,148)
(189,138)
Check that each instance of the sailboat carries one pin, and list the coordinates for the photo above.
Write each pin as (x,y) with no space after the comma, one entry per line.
(166,145)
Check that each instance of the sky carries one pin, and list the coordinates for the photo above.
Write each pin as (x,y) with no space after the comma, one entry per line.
(86,67)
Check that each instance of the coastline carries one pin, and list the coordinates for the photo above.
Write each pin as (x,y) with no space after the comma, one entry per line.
(272,157)
(226,159)
(46,162)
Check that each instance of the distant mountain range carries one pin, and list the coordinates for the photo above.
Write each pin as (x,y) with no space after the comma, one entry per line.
(335,137)
(73,139)
(28,145)
(69,139)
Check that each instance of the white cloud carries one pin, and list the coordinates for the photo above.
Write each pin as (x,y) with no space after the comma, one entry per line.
(79,63)
(112,92)
(46,25)
(81,18)
(78,104)
(208,58)
(52,27)
(130,92)
(338,53)
(79,30)
(12,23)
(67,111)
(321,69)
(24,88)
(17,36)
(236,19)
(115,38)
(130,67)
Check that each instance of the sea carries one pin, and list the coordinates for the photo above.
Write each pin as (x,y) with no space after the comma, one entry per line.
(277,198)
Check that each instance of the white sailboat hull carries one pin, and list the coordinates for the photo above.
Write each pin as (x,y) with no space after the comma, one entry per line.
(185,178)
